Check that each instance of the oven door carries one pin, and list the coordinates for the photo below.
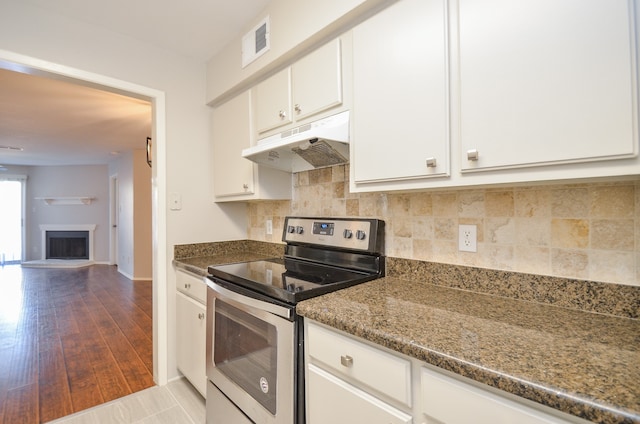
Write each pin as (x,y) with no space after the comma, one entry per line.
(251,355)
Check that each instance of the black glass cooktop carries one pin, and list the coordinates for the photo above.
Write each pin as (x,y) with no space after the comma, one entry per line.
(289,280)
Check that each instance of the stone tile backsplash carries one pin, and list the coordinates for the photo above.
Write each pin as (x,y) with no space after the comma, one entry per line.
(587,231)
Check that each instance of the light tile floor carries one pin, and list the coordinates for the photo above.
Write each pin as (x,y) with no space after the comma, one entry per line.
(176,403)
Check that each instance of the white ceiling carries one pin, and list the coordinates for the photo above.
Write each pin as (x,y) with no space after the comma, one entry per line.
(59,123)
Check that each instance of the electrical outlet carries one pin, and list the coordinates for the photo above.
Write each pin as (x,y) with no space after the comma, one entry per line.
(468,238)
(269,226)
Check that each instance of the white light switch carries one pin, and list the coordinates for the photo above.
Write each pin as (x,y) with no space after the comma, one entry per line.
(175,201)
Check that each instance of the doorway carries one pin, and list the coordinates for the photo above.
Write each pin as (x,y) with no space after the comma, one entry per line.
(22,63)
(11,221)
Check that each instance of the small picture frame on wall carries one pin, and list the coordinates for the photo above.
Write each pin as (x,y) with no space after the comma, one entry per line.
(149,151)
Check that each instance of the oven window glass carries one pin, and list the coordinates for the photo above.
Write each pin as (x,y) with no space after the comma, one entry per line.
(246,352)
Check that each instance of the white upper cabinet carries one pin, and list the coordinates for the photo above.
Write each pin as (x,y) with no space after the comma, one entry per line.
(546,82)
(272,99)
(234,177)
(317,81)
(455,93)
(400,94)
(305,89)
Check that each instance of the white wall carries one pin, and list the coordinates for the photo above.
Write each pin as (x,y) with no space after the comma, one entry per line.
(133,215)
(67,181)
(39,34)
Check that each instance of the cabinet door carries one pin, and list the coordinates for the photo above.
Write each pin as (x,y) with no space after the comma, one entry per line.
(272,98)
(546,81)
(331,400)
(317,81)
(191,341)
(400,114)
(231,132)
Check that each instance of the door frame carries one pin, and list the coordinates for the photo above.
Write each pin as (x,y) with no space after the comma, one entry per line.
(114,207)
(30,65)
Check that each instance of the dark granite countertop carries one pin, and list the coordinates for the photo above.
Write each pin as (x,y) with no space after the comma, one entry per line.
(195,258)
(581,363)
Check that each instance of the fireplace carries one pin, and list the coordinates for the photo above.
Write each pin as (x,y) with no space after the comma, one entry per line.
(67,242)
(67,245)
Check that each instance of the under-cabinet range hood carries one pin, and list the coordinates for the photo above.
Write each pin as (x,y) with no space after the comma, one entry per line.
(321,143)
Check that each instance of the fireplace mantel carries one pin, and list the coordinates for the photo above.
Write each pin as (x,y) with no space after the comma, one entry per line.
(72,200)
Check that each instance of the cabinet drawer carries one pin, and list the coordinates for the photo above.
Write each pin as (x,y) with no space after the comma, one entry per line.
(192,286)
(453,402)
(361,363)
(331,400)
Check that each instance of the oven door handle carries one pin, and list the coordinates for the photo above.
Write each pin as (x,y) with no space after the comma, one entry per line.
(250,302)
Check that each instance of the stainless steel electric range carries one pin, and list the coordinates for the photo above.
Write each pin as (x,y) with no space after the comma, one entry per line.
(255,362)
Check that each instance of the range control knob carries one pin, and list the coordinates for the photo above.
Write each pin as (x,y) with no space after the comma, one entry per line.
(299,229)
(347,234)
(291,229)
(361,235)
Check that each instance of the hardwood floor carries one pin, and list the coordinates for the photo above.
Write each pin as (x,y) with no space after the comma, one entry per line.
(71,339)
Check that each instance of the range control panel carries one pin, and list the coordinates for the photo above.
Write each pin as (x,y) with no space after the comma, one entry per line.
(345,233)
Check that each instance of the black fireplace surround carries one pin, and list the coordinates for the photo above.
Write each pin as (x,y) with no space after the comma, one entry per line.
(67,245)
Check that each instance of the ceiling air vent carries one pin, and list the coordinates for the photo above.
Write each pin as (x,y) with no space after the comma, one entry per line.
(256,42)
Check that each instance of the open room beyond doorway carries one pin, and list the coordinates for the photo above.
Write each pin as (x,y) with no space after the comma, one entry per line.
(25,64)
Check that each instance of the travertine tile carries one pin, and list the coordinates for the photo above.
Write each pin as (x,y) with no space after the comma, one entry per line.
(445,251)
(353,207)
(402,227)
(471,204)
(615,266)
(445,204)
(445,229)
(399,205)
(612,202)
(500,230)
(571,217)
(532,259)
(570,263)
(401,246)
(612,234)
(498,256)
(570,202)
(532,232)
(339,174)
(532,203)
(421,204)
(422,249)
(499,203)
(422,228)
(570,233)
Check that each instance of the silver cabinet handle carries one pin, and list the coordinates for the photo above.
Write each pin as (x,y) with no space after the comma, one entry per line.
(201,315)
(431,162)
(245,186)
(282,114)
(297,108)
(346,361)
(472,155)
(187,285)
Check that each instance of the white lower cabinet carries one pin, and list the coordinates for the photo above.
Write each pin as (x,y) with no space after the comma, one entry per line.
(191,333)
(332,400)
(450,401)
(349,380)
